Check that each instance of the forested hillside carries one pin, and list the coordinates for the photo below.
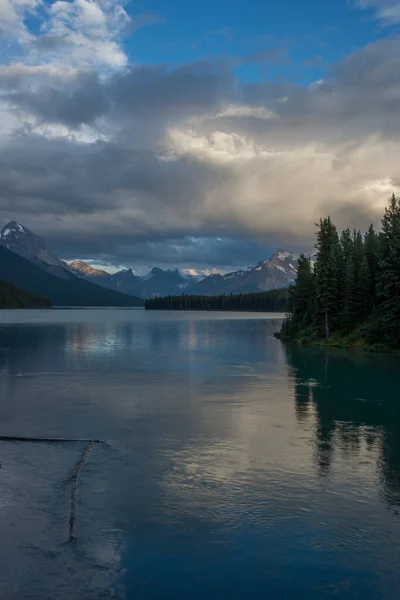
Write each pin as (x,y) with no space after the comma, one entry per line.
(12,296)
(350,295)
(273,301)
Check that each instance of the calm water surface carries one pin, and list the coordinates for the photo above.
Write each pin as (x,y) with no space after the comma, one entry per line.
(227,467)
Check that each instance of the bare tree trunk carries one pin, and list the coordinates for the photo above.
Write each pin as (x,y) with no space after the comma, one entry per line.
(326,324)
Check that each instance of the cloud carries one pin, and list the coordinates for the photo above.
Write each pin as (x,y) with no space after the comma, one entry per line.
(119,163)
(82,32)
(12,14)
(53,94)
(387,11)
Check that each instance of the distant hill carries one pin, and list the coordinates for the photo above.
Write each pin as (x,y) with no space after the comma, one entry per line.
(13,296)
(71,291)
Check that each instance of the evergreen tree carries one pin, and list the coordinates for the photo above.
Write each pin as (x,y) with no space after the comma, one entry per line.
(346,245)
(301,295)
(326,293)
(270,301)
(361,278)
(355,281)
(363,292)
(389,273)
(371,248)
(350,309)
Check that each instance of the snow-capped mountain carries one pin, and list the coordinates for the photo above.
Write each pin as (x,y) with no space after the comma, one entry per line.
(26,243)
(277,272)
(156,283)
(27,262)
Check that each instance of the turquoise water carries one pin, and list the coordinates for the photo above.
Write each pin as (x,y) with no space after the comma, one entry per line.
(225,468)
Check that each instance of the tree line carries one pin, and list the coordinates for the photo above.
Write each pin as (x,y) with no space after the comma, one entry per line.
(351,289)
(270,301)
(12,296)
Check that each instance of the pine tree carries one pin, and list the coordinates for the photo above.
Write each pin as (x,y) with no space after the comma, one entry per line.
(364,289)
(349,312)
(388,283)
(371,248)
(326,282)
(361,278)
(346,245)
(301,295)
(355,281)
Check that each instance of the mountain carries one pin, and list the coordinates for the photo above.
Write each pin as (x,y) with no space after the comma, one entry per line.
(26,243)
(13,296)
(156,283)
(127,282)
(277,272)
(61,291)
(82,269)
(123,281)
(164,283)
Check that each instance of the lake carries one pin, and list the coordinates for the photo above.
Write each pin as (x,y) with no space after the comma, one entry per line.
(223,467)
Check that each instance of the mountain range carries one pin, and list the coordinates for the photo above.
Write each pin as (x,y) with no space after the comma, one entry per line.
(156,283)
(26,261)
(277,272)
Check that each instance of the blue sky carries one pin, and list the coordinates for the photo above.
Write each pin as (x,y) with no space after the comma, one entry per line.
(196,135)
(311,35)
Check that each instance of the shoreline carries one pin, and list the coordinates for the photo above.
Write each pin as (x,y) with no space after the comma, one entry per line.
(341,342)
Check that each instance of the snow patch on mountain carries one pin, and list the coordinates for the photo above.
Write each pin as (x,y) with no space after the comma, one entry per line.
(29,245)
(276,272)
(283,255)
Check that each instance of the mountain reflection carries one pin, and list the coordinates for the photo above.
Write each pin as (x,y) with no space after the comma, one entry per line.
(353,402)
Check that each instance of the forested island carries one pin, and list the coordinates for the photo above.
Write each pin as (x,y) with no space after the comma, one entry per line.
(349,296)
(271,301)
(13,296)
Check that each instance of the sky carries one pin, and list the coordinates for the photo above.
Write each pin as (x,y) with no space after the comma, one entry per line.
(197,135)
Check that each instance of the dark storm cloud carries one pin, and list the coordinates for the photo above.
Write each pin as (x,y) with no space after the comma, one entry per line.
(158,161)
(80,98)
(70,177)
(71,99)
(149,91)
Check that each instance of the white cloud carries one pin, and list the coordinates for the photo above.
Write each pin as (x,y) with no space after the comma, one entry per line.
(256,112)
(388,11)
(12,14)
(83,32)
(315,85)
(77,32)
(219,146)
